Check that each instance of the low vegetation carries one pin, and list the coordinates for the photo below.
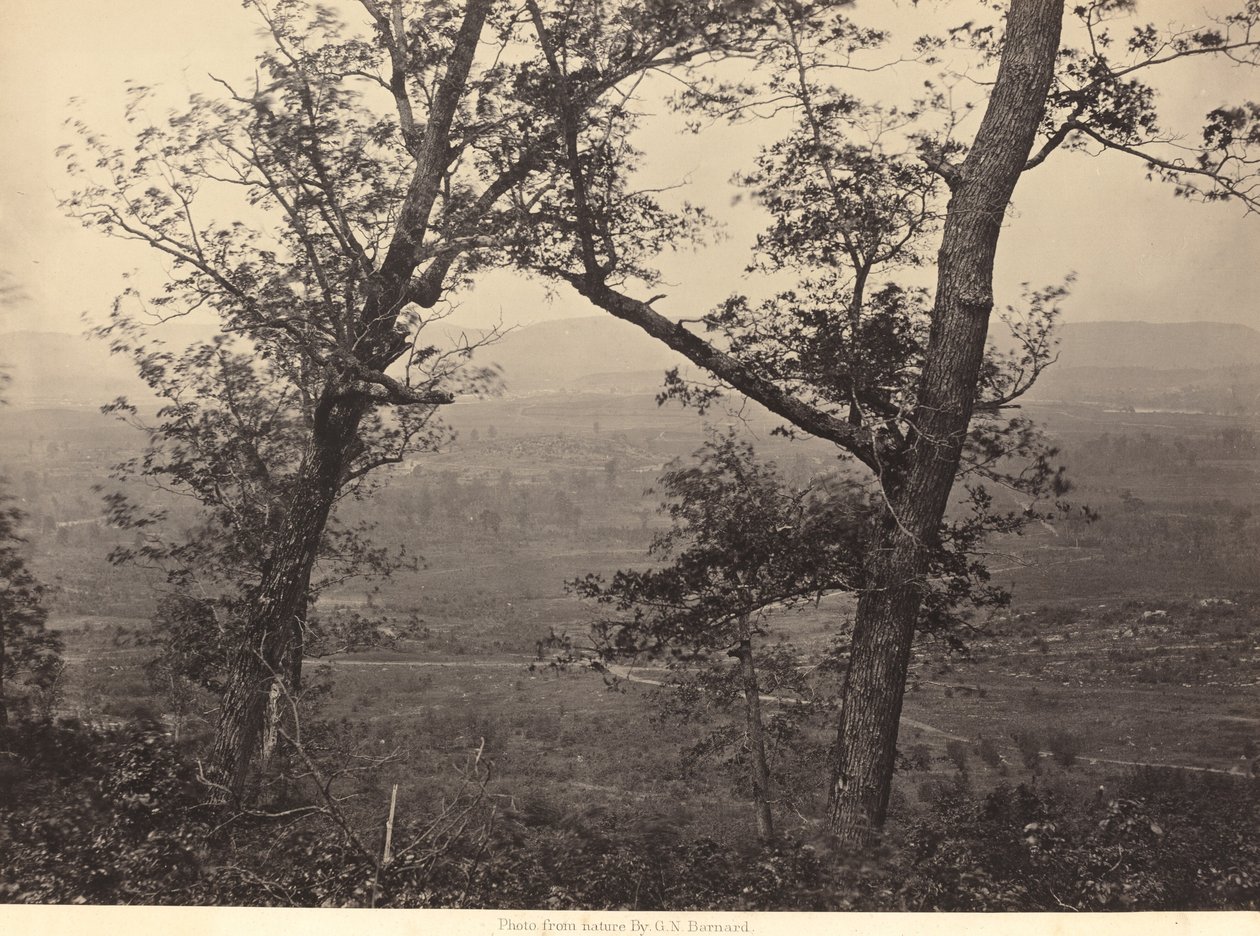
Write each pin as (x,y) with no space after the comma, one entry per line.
(117,815)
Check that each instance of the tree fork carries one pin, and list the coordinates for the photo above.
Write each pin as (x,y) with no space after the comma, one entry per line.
(898,558)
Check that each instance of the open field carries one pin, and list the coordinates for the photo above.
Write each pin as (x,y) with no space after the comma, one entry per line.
(1102,693)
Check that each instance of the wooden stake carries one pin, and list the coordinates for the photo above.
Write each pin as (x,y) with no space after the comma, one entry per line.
(389,825)
(389,841)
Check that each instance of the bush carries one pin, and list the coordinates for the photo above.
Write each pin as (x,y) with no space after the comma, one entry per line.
(957,752)
(987,751)
(116,816)
(918,757)
(1029,746)
(96,815)
(597,858)
(1162,840)
(933,790)
(1065,747)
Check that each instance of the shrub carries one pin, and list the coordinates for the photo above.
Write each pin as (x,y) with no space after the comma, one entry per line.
(1065,747)
(918,757)
(115,816)
(599,858)
(987,751)
(956,751)
(1029,746)
(935,789)
(96,815)
(1161,840)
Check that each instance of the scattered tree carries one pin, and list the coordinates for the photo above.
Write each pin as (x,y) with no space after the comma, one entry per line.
(734,556)
(524,155)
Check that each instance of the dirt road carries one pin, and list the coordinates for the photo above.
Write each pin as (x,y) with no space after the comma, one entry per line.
(631,675)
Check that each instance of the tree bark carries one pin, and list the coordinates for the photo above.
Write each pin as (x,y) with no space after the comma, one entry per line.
(759,771)
(265,654)
(918,494)
(297,644)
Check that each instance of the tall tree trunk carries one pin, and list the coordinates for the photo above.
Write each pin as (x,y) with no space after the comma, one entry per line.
(759,771)
(291,671)
(266,652)
(898,554)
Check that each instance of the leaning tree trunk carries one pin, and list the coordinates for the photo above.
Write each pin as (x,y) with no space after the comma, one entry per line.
(759,769)
(291,680)
(897,558)
(266,652)
(297,645)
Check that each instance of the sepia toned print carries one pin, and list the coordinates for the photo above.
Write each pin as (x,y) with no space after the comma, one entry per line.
(631,466)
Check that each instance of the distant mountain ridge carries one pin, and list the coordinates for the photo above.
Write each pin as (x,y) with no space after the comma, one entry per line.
(1158,345)
(603,354)
(1105,361)
(592,353)
(1182,366)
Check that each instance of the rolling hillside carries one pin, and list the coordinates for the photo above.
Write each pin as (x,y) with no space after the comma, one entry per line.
(1193,366)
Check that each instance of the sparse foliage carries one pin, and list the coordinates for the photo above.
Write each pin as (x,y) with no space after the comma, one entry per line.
(733,559)
(381,170)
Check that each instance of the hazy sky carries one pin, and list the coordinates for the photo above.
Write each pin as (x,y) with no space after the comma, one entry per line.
(1139,253)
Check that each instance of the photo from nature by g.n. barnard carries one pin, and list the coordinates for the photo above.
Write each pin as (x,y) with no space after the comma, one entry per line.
(642,455)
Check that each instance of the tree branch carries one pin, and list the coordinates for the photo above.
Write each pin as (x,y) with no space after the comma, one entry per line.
(1229,187)
(799,413)
(393,36)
